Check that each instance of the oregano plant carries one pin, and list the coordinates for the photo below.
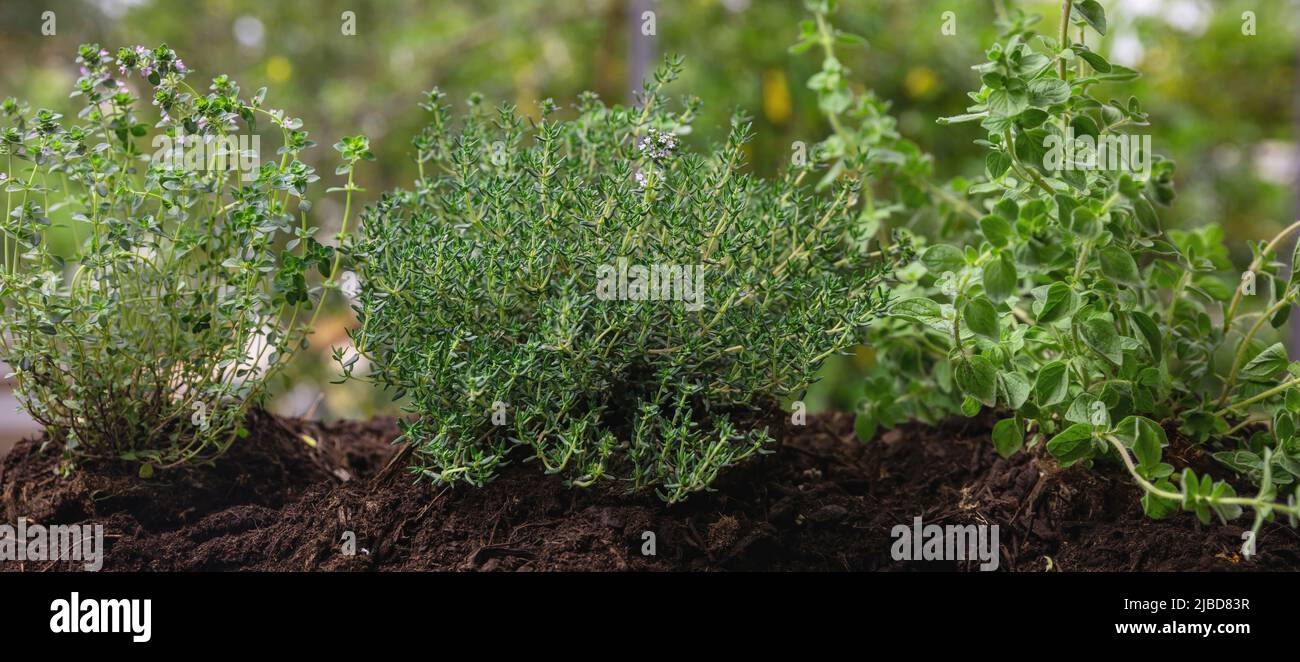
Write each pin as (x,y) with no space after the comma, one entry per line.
(601,299)
(1057,299)
(156,271)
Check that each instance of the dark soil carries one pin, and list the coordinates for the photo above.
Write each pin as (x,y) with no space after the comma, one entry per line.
(822,501)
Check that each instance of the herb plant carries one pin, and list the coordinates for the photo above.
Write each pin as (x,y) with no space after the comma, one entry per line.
(1058,299)
(511,296)
(187,284)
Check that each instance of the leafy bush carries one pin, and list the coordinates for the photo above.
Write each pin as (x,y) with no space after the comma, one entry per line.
(494,298)
(1070,308)
(187,286)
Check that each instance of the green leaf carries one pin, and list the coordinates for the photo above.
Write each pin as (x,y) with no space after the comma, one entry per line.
(996,164)
(1007,209)
(1225,511)
(958,119)
(1292,400)
(1048,92)
(977,378)
(1000,277)
(1146,438)
(1267,363)
(1008,103)
(1084,223)
(1093,14)
(982,318)
(1072,444)
(1146,215)
(941,258)
(1150,331)
(1157,507)
(1052,384)
(1101,337)
(1056,302)
(1015,388)
(864,425)
(1008,437)
(996,229)
(1088,409)
(1094,60)
(1118,264)
(917,309)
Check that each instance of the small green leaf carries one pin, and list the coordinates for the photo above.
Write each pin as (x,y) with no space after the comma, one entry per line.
(1008,437)
(1093,14)
(1146,438)
(1157,507)
(1008,103)
(1072,444)
(1101,337)
(1048,92)
(1150,331)
(1000,277)
(864,425)
(977,378)
(1267,363)
(1052,384)
(996,164)
(917,309)
(941,258)
(996,229)
(1118,264)
(981,317)
(1056,302)
(1015,388)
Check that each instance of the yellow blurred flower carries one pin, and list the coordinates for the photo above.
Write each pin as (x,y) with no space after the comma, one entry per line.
(776,96)
(920,81)
(278,69)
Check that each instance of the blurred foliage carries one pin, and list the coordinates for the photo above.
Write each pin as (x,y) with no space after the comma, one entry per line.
(1222,104)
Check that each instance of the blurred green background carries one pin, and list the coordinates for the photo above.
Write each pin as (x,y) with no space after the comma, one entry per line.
(1223,104)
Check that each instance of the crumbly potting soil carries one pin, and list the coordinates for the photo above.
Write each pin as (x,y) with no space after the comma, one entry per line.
(821,501)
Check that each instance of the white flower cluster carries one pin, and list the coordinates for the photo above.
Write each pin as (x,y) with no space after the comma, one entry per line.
(658,144)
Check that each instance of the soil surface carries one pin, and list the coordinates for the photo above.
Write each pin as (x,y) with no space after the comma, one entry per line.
(822,501)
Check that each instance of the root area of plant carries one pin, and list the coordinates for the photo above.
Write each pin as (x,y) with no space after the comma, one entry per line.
(294,495)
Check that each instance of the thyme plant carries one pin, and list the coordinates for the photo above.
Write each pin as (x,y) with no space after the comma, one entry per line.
(187,282)
(1059,300)
(600,296)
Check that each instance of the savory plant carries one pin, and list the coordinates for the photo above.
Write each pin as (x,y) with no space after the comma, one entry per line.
(594,292)
(152,286)
(1063,303)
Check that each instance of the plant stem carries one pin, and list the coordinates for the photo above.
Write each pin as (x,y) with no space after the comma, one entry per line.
(1253,502)
(1245,346)
(1229,316)
(1262,396)
(338,255)
(1066,7)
